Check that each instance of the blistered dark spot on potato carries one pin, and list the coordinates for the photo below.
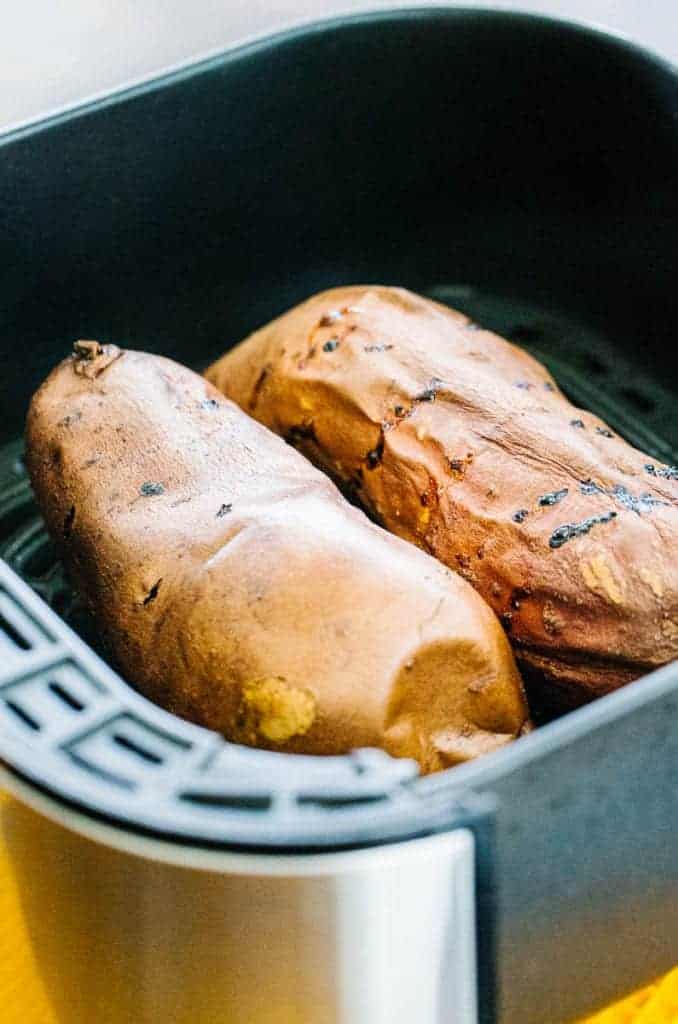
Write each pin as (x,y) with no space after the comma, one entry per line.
(224,510)
(331,344)
(570,530)
(374,457)
(667,472)
(643,503)
(590,487)
(149,489)
(71,418)
(209,403)
(578,424)
(553,497)
(521,515)
(604,432)
(431,391)
(524,385)
(458,467)
(153,592)
(377,348)
(548,386)
(400,413)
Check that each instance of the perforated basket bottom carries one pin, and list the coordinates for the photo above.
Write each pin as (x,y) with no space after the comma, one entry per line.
(589,368)
(70,723)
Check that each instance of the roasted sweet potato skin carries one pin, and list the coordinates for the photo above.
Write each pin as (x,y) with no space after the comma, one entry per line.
(236,587)
(463,444)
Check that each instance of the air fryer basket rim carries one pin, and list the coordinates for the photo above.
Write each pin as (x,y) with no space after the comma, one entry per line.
(412,806)
(252,46)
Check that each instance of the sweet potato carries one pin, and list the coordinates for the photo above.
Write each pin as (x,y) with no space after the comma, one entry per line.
(463,444)
(235,586)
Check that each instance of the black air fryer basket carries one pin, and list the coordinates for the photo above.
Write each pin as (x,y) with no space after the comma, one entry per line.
(518,168)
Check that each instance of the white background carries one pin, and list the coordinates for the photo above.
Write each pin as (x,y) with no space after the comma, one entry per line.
(55,53)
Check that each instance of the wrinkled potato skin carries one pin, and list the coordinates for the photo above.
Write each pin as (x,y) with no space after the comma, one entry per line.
(444,432)
(236,587)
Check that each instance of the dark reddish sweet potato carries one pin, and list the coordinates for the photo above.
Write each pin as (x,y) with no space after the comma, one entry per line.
(463,444)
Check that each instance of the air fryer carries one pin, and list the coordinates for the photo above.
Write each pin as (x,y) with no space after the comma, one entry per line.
(520,169)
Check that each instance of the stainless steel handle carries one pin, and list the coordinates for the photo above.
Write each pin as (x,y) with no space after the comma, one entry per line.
(125,928)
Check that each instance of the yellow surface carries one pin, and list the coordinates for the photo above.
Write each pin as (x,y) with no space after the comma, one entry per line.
(23,999)
(657,1004)
(22,995)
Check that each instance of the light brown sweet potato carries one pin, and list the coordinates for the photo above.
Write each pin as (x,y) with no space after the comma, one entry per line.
(237,587)
(463,444)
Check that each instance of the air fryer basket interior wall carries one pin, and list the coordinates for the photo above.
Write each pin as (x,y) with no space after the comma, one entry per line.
(517,166)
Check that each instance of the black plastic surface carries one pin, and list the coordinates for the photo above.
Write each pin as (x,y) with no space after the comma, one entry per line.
(513,153)
(533,161)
